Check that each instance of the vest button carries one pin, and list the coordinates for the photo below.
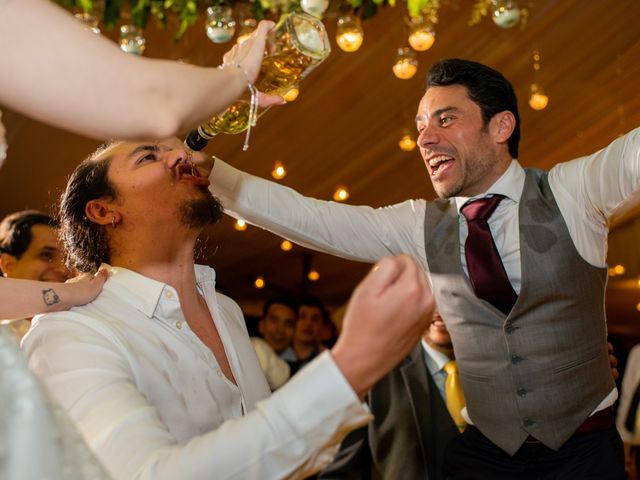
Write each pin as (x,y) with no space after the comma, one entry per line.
(516,359)
(509,329)
(527,422)
(522,392)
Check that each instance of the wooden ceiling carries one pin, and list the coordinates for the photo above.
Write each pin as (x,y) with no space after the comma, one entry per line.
(351,112)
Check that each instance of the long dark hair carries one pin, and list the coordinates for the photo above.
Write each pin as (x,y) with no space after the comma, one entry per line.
(86,242)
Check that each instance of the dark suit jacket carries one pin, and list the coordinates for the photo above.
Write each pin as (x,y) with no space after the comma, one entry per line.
(407,437)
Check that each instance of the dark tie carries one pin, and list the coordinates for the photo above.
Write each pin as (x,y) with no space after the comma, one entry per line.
(486,272)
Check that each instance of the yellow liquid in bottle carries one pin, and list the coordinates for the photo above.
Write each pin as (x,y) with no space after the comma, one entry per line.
(278,73)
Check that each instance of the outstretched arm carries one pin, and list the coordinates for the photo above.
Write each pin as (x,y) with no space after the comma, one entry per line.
(80,81)
(26,298)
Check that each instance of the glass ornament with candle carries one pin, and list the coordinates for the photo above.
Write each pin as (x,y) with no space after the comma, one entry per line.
(349,33)
(220,24)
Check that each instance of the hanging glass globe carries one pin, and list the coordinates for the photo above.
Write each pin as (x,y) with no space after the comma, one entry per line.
(505,13)
(132,40)
(406,64)
(349,33)
(220,24)
(89,21)
(314,7)
(538,100)
(421,36)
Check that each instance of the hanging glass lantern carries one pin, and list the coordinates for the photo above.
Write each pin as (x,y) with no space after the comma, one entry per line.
(314,7)
(505,13)
(406,64)
(349,33)
(220,24)
(132,40)
(538,100)
(421,36)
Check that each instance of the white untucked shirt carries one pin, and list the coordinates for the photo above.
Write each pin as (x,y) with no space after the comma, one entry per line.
(151,401)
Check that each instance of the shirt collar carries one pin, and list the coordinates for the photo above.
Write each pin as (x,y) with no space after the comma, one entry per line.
(510,184)
(435,360)
(144,293)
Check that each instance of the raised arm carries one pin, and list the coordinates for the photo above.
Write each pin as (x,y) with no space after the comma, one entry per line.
(355,232)
(69,77)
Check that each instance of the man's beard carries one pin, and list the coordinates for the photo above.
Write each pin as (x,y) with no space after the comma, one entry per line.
(200,212)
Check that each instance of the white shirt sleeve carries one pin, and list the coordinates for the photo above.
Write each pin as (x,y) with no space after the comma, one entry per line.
(289,435)
(589,190)
(355,232)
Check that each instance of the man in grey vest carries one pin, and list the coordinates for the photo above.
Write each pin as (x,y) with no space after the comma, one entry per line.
(517,260)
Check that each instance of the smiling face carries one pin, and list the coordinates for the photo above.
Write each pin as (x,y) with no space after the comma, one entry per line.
(277,326)
(42,260)
(437,336)
(463,155)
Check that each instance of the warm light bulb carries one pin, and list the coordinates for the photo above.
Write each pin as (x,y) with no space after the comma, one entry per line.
(291,95)
(404,69)
(538,100)
(407,143)
(421,40)
(240,225)
(278,172)
(313,275)
(286,245)
(406,64)
(619,269)
(349,33)
(639,282)
(259,282)
(341,194)
(638,306)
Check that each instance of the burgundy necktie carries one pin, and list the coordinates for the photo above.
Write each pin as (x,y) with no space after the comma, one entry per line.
(486,271)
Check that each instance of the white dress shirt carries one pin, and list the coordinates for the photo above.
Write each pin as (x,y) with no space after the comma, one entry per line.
(435,362)
(588,191)
(151,401)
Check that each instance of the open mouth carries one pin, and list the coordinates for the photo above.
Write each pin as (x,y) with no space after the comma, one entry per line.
(188,172)
(439,163)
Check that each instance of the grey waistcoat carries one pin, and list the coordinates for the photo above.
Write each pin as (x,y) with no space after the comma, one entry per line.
(543,369)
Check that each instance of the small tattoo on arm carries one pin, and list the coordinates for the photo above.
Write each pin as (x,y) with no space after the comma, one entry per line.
(50,297)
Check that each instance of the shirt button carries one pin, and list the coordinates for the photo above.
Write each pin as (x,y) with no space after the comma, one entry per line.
(168,294)
(219,372)
(510,329)
(178,324)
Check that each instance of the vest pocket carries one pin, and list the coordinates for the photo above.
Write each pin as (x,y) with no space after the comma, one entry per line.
(579,361)
(473,377)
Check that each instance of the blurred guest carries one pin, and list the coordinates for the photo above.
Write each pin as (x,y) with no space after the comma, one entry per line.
(416,407)
(276,327)
(306,344)
(277,323)
(30,250)
(628,416)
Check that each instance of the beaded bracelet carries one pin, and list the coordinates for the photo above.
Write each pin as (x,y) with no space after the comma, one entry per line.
(253,105)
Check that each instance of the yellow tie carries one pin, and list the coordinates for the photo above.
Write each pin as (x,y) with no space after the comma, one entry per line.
(454,395)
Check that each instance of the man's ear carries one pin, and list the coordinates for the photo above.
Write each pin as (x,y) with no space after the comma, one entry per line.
(502,126)
(101,211)
(7,262)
